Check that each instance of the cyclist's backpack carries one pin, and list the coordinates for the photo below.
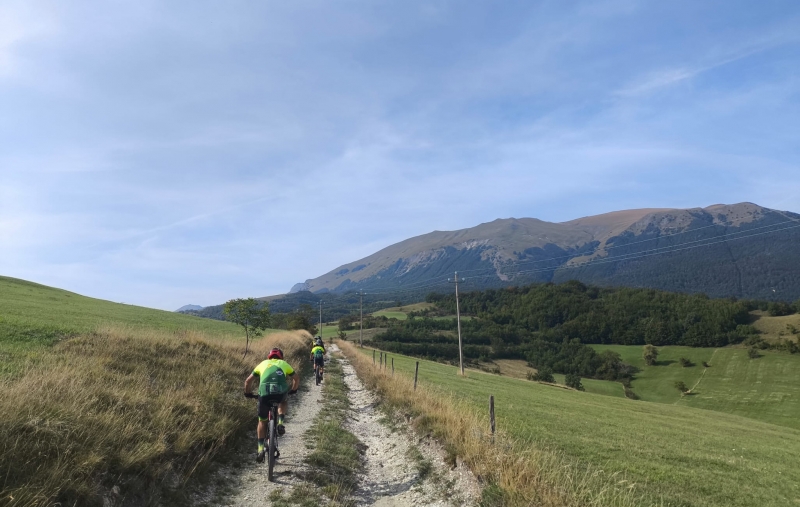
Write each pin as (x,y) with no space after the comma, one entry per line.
(273,381)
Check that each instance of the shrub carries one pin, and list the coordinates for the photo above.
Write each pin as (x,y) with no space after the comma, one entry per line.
(629,393)
(573,381)
(778,309)
(543,375)
(756,342)
(650,355)
(685,362)
(706,365)
(753,353)
(681,386)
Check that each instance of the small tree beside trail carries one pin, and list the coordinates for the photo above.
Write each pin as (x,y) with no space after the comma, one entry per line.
(681,386)
(650,355)
(685,362)
(542,375)
(249,313)
(574,381)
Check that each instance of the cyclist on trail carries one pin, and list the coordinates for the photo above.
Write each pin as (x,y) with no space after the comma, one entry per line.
(273,385)
(318,356)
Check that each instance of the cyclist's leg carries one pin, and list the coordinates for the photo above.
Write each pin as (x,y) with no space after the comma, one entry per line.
(282,410)
(261,429)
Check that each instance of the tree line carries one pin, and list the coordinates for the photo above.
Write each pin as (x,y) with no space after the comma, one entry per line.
(550,326)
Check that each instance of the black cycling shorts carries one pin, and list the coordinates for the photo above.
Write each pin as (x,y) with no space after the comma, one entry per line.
(319,361)
(264,404)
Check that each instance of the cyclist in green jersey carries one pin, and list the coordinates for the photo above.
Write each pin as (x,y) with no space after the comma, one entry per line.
(318,356)
(273,376)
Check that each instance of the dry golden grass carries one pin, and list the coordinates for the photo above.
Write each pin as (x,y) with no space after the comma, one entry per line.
(141,410)
(775,328)
(515,473)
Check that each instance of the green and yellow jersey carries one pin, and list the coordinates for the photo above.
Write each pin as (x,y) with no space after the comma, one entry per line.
(273,376)
(318,352)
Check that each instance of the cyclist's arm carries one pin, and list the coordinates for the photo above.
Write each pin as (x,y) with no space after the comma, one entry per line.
(248,382)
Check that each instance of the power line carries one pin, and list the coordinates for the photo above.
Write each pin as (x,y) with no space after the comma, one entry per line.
(661,237)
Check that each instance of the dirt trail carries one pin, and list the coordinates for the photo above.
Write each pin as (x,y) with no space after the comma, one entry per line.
(250,483)
(391,475)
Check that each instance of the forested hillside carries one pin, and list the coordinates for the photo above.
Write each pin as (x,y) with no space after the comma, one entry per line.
(550,325)
(741,250)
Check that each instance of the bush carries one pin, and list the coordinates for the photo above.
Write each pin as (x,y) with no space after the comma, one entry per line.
(706,365)
(753,353)
(779,309)
(650,355)
(681,386)
(573,381)
(543,375)
(756,342)
(686,363)
(629,393)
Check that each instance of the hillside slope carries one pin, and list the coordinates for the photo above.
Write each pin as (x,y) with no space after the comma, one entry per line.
(741,250)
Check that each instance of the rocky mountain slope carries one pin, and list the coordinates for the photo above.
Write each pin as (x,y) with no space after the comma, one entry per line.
(741,250)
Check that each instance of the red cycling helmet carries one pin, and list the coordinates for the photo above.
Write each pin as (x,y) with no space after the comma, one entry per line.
(275,353)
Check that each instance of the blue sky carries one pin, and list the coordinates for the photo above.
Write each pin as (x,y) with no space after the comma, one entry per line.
(165,153)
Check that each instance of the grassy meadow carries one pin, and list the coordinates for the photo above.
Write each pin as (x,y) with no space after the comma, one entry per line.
(675,454)
(776,328)
(766,388)
(33,317)
(401,312)
(102,395)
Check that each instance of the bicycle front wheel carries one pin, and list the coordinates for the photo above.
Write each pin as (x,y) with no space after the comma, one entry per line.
(273,446)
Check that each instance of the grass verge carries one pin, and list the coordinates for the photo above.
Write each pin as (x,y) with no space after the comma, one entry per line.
(123,414)
(515,473)
(335,458)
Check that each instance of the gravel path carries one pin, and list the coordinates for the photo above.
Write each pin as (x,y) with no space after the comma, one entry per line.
(253,488)
(391,474)
(391,477)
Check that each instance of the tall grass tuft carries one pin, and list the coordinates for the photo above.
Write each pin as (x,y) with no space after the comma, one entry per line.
(136,409)
(514,473)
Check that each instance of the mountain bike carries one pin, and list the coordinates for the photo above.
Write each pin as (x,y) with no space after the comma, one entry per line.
(272,434)
(317,373)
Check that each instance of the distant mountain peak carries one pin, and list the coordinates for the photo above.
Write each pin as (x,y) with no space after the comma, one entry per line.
(186,308)
(522,250)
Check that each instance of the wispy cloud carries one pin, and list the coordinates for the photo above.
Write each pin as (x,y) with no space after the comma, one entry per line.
(146,143)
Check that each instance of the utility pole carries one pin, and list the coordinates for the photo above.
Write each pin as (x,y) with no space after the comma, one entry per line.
(361,320)
(320,318)
(458,318)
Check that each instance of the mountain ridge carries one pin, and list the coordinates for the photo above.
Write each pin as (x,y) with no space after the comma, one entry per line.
(583,248)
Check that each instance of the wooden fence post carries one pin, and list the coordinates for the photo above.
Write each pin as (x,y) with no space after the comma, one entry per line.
(380,361)
(373,356)
(416,371)
(392,367)
(491,413)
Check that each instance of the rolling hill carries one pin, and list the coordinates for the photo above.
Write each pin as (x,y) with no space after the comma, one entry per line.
(741,250)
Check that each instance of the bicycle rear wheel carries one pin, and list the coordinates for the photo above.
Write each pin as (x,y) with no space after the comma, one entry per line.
(273,444)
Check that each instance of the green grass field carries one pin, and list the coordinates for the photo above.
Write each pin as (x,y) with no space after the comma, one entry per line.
(33,317)
(767,388)
(657,383)
(682,455)
(401,312)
